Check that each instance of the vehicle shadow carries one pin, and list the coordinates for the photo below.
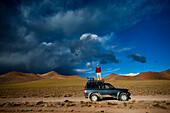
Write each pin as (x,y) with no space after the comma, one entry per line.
(108,98)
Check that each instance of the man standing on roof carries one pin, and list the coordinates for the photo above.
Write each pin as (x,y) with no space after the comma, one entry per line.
(98,72)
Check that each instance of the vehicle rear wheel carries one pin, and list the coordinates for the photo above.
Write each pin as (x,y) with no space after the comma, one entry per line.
(123,97)
(94,97)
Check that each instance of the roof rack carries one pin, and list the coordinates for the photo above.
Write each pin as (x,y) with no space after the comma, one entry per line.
(97,81)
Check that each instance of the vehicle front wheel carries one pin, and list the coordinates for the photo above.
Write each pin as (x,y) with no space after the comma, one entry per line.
(123,97)
(94,98)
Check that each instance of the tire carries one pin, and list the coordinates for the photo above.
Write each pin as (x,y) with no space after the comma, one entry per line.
(123,97)
(94,97)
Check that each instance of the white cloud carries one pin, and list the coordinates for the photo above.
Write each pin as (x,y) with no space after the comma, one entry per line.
(88,64)
(123,49)
(106,37)
(137,54)
(47,44)
(110,70)
(83,70)
(130,74)
(90,36)
(113,47)
(90,72)
(94,63)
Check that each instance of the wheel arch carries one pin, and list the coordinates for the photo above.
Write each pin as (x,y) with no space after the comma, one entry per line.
(90,94)
(118,94)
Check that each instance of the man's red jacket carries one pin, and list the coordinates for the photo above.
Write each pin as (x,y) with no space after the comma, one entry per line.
(98,70)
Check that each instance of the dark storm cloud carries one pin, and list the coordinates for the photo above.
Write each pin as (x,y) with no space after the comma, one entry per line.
(109,57)
(137,57)
(89,46)
(46,57)
(43,35)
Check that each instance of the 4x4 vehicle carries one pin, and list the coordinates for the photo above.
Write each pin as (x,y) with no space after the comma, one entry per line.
(95,90)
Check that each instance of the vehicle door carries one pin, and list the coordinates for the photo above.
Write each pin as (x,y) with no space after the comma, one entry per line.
(109,90)
(101,89)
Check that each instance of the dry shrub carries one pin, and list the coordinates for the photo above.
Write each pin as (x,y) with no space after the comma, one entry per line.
(40,103)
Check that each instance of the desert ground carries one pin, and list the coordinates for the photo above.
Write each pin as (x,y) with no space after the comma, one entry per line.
(66,95)
(141,104)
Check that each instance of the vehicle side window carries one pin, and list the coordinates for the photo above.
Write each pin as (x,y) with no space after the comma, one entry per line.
(100,86)
(107,86)
(110,86)
(97,86)
(103,87)
(92,86)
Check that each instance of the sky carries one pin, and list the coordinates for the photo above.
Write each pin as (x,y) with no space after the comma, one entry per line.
(72,36)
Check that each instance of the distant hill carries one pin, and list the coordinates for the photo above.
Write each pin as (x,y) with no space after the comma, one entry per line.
(154,75)
(17,77)
(54,75)
(118,77)
(165,75)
